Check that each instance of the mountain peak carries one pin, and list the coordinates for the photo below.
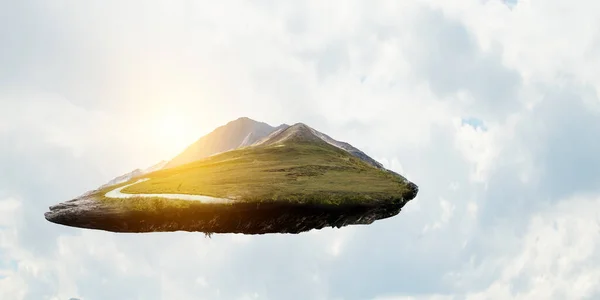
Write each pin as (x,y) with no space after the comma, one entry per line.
(298,132)
(244,119)
(301,126)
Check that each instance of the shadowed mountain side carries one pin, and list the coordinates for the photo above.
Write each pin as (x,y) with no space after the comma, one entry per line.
(303,131)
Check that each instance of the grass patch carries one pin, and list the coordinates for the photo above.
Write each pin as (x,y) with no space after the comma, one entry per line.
(296,172)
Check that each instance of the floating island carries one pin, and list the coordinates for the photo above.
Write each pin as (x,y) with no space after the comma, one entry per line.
(246,177)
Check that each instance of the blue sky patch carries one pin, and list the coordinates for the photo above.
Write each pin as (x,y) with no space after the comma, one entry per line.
(474,122)
(510,3)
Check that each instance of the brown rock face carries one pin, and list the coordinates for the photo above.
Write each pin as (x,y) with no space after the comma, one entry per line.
(246,218)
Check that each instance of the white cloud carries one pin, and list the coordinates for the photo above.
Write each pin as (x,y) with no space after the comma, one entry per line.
(8,209)
(12,287)
(472,208)
(557,256)
(512,205)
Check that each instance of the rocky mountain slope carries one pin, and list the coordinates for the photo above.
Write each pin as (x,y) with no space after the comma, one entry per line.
(238,133)
(301,129)
(244,132)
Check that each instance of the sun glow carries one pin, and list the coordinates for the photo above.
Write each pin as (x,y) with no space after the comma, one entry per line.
(172,134)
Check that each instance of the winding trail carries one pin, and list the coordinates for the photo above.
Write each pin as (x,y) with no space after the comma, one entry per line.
(116,193)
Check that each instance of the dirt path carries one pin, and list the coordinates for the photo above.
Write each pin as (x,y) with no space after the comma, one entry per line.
(116,193)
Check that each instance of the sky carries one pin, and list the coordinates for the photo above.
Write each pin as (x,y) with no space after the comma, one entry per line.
(490,106)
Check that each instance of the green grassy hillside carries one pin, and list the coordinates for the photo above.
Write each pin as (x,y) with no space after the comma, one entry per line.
(294,171)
